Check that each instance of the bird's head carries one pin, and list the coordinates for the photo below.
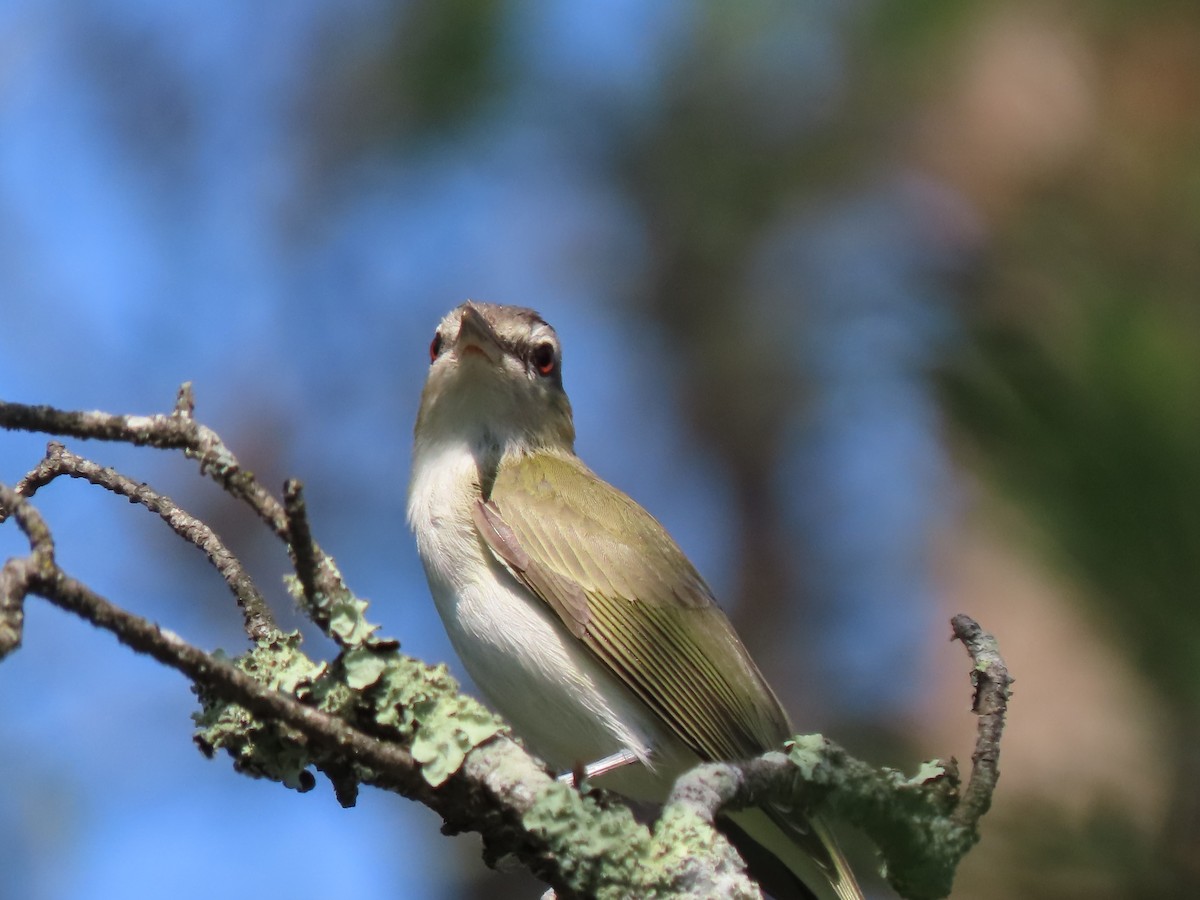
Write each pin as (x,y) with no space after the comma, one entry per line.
(495,381)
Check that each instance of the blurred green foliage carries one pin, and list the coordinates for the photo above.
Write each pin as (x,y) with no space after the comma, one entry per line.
(449,59)
(1094,428)
(1078,397)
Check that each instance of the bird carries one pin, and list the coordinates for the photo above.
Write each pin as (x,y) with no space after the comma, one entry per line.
(577,616)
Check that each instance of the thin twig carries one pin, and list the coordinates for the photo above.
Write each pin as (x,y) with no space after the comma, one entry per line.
(992,682)
(58,461)
(323,592)
(300,540)
(14,585)
(18,574)
(185,402)
(177,431)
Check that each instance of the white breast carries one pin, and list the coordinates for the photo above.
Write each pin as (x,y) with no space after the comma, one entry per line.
(563,702)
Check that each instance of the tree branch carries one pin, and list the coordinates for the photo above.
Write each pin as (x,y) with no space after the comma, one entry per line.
(177,431)
(922,825)
(374,716)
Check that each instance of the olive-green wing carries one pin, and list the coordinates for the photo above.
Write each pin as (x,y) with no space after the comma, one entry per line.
(624,588)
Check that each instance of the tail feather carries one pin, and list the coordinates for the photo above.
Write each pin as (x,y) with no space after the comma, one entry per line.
(792,859)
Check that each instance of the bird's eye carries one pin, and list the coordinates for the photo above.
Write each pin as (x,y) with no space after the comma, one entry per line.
(435,346)
(542,357)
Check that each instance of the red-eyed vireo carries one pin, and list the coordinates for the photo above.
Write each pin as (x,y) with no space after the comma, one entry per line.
(573,610)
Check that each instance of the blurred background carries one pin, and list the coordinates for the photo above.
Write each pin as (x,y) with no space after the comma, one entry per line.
(886,310)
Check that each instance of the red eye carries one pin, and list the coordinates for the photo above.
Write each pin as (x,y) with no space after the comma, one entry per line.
(435,346)
(543,357)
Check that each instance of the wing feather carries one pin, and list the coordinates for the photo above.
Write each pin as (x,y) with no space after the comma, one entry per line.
(622,586)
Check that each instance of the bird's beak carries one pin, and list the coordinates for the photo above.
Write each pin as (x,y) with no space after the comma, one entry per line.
(476,335)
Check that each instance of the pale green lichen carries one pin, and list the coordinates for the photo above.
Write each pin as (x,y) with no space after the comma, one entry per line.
(806,753)
(346,621)
(604,852)
(601,849)
(930,770)
(363,667)
(423,703)
(342,616)
(418,703)
(681,837)
(263,750)
(452,729)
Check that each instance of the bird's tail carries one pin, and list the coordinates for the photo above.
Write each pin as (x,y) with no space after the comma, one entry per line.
(792,858)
